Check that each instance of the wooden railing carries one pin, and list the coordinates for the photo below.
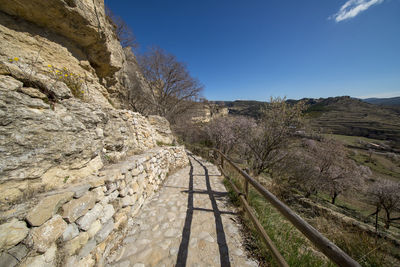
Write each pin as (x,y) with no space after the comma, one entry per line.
(334,253)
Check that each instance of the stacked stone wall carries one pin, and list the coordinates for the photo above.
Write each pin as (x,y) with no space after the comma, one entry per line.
(80,225)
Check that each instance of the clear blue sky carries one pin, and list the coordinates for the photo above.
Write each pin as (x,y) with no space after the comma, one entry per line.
(254,49)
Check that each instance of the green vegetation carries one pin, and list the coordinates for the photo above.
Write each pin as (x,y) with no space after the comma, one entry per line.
(159,143)
(377,164)
(72,80)
(352,140)
(294,247)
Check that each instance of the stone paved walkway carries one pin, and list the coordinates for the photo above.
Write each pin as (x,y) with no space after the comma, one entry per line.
(189,222)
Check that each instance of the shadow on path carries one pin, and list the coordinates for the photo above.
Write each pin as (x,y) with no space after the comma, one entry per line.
(221,240)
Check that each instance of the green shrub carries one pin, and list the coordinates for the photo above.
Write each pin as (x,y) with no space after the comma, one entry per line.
(72,80)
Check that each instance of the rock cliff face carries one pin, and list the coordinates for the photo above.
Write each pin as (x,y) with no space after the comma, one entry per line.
(68,150)
(76,35)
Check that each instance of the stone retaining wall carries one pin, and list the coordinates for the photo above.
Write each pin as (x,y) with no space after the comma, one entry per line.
(80,225)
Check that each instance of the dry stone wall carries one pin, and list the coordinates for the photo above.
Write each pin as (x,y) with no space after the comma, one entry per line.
(80,225)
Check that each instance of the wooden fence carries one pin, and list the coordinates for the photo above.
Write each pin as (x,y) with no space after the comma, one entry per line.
(334,253)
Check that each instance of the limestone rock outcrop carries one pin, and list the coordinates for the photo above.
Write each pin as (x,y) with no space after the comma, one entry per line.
(83,22)
(163,133)
(75,166)
(48,145)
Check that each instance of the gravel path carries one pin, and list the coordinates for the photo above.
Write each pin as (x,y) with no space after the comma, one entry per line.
(189,222)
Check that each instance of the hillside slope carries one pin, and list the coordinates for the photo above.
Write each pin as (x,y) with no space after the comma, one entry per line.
(338,115)
(392,101)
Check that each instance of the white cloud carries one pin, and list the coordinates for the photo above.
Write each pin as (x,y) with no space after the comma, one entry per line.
(352,8)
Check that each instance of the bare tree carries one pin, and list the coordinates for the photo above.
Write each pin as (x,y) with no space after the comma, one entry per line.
(297,170)
(320,166)
(173,89)
(336,173)
(266,141)
(122,30)
(385,194)
(227,132)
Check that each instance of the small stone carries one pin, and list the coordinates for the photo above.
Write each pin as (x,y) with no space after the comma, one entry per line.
(99,132)
(135,187)
(105,231)
(111,197)
(46,234)
(165,244)
(7,260)
(108,212)
(173,251)
(70,232)
(193,242)
(78,207)
(59,89)
(50,254)
(206,236)
(171,216)
(128,201)
(111,187)
(120,219)
(72,246)
(96,182)
(87,261)
(124,264)
(46,208)
(9,83)
(12,233)
(86,220)
(139,265)
(19,252)
(94,228)
(135,172)
(123,192)
(238,252)
(99,193)
(171,232)
(33,92)
(89,247)
(37,261)
(80,190)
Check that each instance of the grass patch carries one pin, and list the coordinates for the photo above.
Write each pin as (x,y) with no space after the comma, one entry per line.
(352,140)
(376,164)
(297,249)
(294,247)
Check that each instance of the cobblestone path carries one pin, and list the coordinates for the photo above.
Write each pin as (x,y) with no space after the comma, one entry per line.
(189,222)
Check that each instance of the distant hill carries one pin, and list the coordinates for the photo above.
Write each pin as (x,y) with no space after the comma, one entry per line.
(338,115)
(392,101)
(351,116)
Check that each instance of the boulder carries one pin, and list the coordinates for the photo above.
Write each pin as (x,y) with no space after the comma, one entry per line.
(86,221)
(12,233)
(46,208)
(78,207)
(70,232)
(46,234)
(163,134)
(105,231)
(74,245)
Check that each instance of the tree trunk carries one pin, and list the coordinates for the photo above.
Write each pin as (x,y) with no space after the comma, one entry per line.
(334,198)
(387,221)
